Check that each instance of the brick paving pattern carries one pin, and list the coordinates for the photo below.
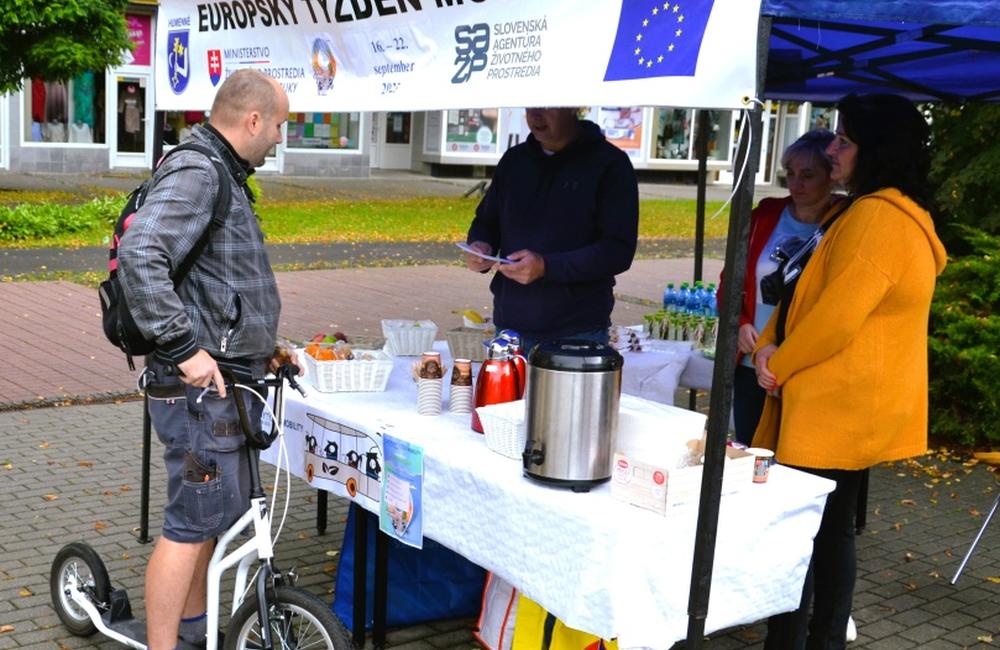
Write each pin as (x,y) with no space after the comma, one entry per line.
(71,472)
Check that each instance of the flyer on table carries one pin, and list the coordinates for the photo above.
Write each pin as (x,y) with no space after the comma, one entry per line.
(402,492)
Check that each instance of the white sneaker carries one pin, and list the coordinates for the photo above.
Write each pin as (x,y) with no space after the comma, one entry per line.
(852,630)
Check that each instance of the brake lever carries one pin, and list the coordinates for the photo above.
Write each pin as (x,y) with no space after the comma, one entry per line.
(287,370)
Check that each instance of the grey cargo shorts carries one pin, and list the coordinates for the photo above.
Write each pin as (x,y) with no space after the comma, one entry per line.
(208,477)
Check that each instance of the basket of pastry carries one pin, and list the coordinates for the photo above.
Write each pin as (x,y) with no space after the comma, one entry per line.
(340,367)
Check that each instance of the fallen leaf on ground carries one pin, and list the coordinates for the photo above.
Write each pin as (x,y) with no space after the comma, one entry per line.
(907,502)
(25,592)
(332,553)
(125,488)
(994,579)
(44,445)
(908,556)
(50,497)
(986,638)
(330,569)
(85,463)
(8,466)
(974,512)
(100,525)
(303,535)
(6,628)
(910,586)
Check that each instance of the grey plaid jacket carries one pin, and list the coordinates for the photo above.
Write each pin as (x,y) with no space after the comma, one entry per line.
(228,304)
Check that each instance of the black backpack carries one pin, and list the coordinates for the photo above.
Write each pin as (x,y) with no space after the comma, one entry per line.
(119,326)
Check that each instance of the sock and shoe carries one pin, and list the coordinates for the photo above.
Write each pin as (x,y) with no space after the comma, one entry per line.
(193,630)
(852,630)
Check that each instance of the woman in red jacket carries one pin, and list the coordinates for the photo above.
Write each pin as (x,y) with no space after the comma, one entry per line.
(777,228)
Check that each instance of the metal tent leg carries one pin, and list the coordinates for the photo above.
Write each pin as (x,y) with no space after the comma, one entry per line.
(961,567)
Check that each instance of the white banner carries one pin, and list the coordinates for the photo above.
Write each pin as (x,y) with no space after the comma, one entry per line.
(380,55)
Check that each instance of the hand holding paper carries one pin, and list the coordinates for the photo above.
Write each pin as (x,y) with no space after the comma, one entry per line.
(480,253)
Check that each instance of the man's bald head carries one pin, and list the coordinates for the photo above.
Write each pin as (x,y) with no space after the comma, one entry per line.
(248,111)
(243,92)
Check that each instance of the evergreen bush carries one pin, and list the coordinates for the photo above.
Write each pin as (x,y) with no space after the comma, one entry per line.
(964,343)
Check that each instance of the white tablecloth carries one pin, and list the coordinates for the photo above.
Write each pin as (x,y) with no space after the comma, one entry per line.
(599,564)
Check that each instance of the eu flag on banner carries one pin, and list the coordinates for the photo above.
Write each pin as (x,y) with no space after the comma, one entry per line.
(656,38)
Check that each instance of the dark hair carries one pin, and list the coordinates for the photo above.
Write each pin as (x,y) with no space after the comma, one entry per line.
(893,145)
(813,144)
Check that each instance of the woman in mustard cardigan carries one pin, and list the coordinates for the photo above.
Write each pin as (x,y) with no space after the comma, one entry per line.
(845,357)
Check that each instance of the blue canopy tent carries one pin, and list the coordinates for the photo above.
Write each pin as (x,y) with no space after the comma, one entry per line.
(821,50)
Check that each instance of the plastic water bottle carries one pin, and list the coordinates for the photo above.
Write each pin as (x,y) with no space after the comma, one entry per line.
(711,301)
(669,297)
(683,295)
(696,298)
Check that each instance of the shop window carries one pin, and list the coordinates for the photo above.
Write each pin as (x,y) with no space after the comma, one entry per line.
(131,115)
(621,125)
(323,131)
(177,125)
(397,128)
(720,134)
(472,130)
(673,133)
(65,111)
(823,117)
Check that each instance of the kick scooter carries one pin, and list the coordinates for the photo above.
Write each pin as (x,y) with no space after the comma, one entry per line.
(293,618)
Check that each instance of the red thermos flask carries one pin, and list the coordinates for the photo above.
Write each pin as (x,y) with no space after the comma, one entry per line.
(497,381)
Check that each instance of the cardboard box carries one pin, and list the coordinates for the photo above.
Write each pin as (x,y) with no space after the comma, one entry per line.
(659,488)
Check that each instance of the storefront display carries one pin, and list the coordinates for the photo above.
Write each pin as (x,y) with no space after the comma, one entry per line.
(622,126)
(64,111)
(323,130)
(472,131)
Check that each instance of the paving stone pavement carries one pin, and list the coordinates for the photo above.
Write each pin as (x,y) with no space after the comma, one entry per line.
(72,473)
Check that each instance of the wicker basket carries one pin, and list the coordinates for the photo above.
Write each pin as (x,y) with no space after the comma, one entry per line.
(467,343)
(503,426)
(408,338)
(369,374)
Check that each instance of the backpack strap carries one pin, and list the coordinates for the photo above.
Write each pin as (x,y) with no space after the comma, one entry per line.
(220,209)
(789,289)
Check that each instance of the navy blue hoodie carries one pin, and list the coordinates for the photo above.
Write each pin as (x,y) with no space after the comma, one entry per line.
(579,209)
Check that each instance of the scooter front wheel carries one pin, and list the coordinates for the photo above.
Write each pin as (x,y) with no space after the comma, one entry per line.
(78,564)
(297,619)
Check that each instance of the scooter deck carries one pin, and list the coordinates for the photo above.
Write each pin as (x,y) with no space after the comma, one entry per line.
(136,629)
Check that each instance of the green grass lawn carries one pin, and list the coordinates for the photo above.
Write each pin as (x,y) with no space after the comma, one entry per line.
(38,222)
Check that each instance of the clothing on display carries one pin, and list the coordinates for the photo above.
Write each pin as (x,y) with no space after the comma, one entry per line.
(36,131)
(130,105)
(56,102)
(83,99)
(54,132)
(80,132)
(38,102)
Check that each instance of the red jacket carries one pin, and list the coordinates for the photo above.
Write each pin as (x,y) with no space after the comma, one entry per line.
(763,220)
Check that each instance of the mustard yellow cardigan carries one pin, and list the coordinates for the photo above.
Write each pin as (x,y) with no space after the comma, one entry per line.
(853,366)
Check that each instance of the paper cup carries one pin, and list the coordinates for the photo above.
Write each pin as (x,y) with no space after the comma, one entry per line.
(762,461)
(460,399)
(429,396)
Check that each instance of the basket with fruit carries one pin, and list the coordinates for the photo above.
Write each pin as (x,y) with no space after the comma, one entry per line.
(337,366)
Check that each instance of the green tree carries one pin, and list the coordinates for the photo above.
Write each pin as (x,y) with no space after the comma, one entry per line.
(59,39)
(964,340)
(966,167)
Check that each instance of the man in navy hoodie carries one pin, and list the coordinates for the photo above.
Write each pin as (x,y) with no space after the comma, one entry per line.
(563,206)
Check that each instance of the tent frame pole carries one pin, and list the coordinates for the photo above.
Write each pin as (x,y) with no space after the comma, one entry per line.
(725,359)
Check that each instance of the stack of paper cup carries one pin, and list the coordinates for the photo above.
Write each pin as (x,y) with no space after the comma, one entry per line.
(460,399)
(429,396)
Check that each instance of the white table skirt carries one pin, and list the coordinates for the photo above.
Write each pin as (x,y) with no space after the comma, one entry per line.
(599,564)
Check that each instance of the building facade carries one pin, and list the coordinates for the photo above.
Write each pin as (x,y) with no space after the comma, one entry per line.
(103,121)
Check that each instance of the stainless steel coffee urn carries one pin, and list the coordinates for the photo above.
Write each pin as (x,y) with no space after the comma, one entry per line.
(571,412)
